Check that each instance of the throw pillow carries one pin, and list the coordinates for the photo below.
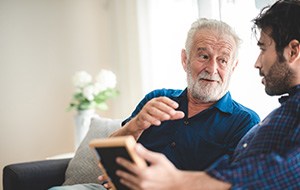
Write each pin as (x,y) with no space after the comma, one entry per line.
(83,167)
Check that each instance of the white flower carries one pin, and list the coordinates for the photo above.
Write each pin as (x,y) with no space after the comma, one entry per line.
(98,87)
(106,78)
(93,94)
(88,92)
(81,79)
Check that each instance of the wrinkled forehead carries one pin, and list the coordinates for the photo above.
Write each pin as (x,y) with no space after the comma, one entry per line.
(215,40)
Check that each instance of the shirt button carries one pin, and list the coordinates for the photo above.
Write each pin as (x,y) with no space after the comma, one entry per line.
(173,144)
(245,145)
(186,122)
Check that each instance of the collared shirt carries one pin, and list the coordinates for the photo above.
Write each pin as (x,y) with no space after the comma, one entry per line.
(196,142)
(268,157)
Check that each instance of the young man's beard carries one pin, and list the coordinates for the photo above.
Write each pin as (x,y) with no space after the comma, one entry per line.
(278,80)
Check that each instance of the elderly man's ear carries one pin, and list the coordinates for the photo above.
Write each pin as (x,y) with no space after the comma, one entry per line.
(184,59)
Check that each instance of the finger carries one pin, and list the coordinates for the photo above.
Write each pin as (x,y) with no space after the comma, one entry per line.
(150,156)
(159,116)
(147,120)
(168,106)
(104,181)
(128,184)
(102,178)
(126,178)
(128,165)
(178,115)
(107,186)
(160,111)
(168,101)
(157,110)
(162,105)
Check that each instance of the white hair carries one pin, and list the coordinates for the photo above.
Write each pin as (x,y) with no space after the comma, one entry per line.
(211,24)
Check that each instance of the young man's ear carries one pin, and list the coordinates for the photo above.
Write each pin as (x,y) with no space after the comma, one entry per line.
(293,50)
(184,60)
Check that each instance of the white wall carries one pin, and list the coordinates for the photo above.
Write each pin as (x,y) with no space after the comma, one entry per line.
(163,27)
(42,44)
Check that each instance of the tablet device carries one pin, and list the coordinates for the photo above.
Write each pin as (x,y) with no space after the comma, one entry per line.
(108,149)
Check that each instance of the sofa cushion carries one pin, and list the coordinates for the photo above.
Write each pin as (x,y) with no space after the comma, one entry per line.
(83,167)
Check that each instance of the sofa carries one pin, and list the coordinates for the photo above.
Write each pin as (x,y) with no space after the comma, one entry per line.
(37,175)
(43,174)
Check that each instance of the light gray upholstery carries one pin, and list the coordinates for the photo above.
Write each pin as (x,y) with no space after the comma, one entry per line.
(83,167)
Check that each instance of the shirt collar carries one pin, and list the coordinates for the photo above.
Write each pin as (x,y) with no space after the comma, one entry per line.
(224,104)
(291,93)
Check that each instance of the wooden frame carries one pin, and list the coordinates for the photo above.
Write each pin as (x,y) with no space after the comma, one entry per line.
(108,149)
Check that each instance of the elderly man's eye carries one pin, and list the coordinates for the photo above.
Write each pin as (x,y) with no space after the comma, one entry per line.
(203,56)
(223,62)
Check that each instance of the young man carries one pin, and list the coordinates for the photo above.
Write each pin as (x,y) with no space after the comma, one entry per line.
(268,156)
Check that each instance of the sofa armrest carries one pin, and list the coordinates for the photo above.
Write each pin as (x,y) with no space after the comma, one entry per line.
(35,175)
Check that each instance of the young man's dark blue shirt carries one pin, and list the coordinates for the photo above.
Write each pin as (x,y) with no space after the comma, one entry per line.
(196,142)
(268,156)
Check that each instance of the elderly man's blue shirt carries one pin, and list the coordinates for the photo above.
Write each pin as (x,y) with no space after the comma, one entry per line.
(194,143)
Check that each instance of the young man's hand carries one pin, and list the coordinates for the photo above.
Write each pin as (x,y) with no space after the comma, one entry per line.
(163,175)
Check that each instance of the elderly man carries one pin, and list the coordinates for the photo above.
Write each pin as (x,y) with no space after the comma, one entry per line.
(196,126)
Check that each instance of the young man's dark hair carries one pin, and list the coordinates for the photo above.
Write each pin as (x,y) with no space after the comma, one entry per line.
(282,18)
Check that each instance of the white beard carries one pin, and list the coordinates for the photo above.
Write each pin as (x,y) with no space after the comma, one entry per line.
(205,91)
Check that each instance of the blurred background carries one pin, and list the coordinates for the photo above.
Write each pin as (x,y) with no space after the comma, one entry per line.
(44,42)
